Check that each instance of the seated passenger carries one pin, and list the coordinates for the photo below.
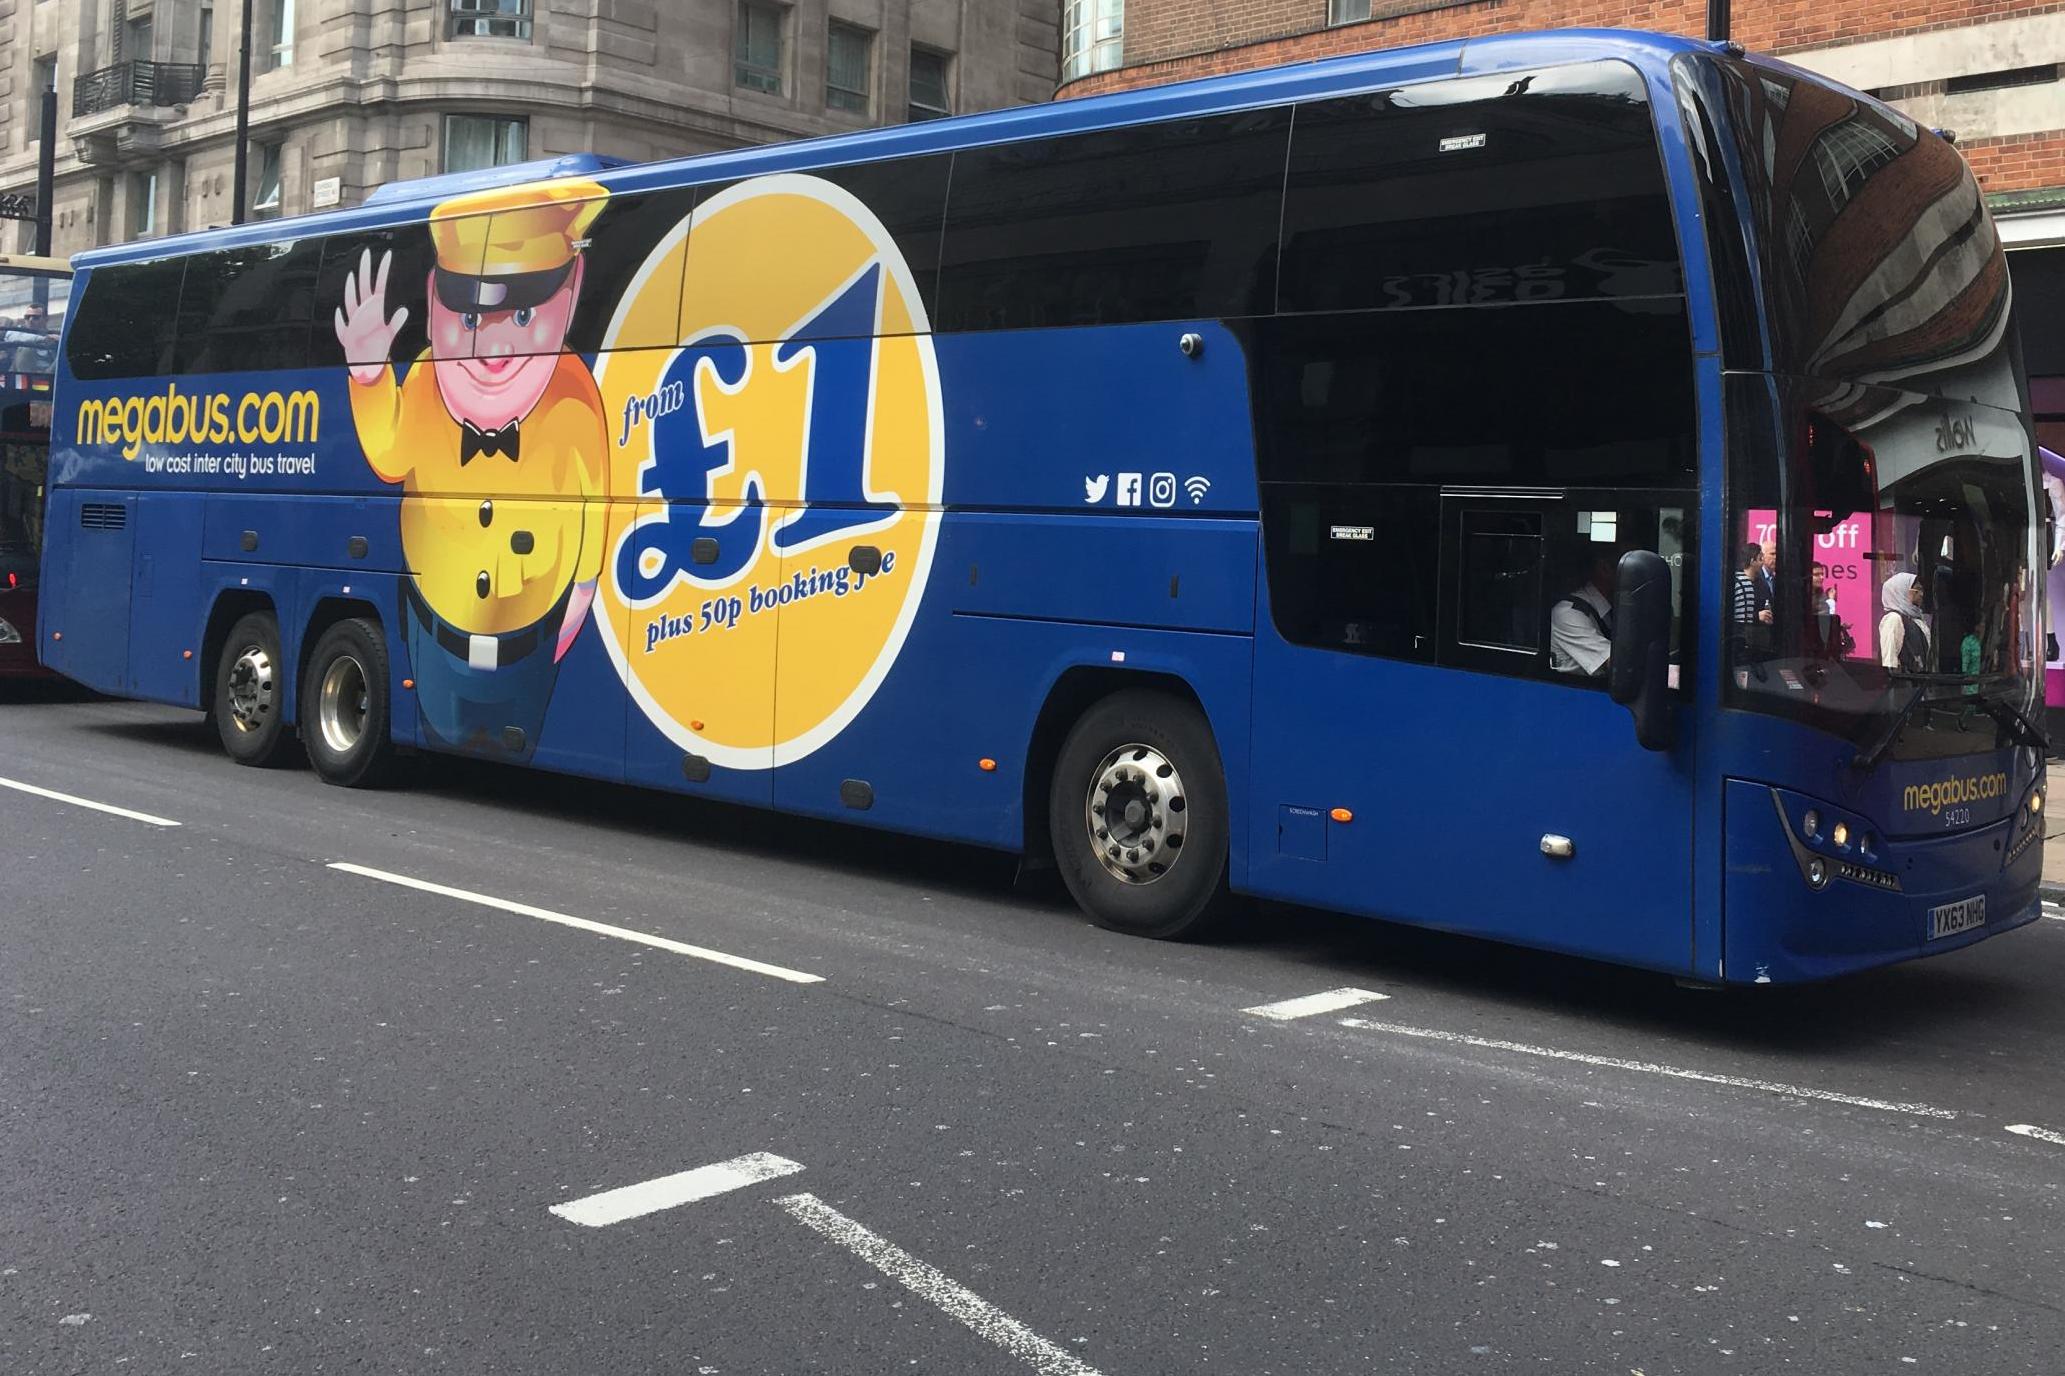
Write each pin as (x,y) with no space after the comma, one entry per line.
(1581,624)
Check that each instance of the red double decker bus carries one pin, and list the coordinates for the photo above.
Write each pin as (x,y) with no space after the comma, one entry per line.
(33,294)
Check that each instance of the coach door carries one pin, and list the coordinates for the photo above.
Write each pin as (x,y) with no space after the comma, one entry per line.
(1435,751)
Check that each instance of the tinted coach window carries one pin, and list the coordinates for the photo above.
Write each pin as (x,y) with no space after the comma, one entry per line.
(1167,221)
(122,322)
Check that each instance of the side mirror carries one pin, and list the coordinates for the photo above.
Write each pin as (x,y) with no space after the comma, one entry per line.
(1640,679)
(1841,471)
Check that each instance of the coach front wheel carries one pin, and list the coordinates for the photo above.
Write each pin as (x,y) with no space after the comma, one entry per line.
(1138,817)
(345,713)
(248,692)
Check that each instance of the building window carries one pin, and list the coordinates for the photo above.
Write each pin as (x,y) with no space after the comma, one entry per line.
(1346,11)
(849,60)
(929,97)
(42,77)
(759,48)
(205,44)
(282,54)
(1093,36)
(476,141)
(490,19)
(265,195)
(137,46)
(1848,154)
(143,205)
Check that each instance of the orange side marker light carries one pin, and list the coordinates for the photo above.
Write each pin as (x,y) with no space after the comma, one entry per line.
(986,765)
(695,726)
(408,683)
(1342,814)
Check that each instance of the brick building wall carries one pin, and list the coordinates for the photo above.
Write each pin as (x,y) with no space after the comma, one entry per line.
(1933,58)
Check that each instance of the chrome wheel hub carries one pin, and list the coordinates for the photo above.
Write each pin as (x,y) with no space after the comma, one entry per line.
(342,704)
(250,688)
(1136,815)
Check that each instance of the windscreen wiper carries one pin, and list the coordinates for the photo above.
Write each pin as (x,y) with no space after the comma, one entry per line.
(1867,759)
(2018,727)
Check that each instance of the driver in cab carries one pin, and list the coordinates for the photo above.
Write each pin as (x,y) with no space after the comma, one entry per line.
(1581,623)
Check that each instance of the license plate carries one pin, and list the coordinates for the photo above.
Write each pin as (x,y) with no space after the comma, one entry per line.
(1961,916)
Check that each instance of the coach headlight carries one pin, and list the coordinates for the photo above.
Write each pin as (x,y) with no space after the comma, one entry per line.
(8,634)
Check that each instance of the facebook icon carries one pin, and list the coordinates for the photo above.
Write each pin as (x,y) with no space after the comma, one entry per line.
(1129,489)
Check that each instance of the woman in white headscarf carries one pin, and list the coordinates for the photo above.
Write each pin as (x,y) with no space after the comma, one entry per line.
(1903,638)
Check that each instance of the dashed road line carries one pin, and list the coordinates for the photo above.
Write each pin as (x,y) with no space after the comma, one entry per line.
(76,801)
(935,1287)
(1651,1068)
(2040,1134)
(2053,911)
(1312,1005)
(671,1191)
(582,924)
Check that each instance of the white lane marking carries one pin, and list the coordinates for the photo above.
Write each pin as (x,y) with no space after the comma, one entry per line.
(76,801)
(670,1191)
(934,1286)
(582,924)
(2040,1134)
(1651,1068)
(1311,1005)
(2054,912)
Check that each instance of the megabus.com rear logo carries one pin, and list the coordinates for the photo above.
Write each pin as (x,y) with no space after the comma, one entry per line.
(208,418)
(777,473)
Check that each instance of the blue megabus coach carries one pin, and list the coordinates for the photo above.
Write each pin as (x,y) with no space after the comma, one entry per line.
(1571,488)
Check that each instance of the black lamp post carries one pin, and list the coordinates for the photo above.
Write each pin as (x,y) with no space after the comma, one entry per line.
(237,180)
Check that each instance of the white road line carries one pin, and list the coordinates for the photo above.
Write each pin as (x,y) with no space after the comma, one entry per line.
(2054,912)
(1651,1068)
(669,1191)
(934,1286)
(75,801)
(1332,1001)
(2040,1134)
(582,924)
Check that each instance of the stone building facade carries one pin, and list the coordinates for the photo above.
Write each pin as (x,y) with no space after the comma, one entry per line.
(349,94)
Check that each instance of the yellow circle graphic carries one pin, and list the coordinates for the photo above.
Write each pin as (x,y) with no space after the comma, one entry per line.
(776,476)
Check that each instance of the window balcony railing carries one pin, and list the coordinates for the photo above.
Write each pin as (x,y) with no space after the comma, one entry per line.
(136,83)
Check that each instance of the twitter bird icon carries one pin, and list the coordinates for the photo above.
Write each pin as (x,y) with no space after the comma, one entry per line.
(1094,488)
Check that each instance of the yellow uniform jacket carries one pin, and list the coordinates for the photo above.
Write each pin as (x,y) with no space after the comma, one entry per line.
(493,544)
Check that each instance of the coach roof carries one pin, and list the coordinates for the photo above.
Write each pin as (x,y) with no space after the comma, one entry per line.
(412,202)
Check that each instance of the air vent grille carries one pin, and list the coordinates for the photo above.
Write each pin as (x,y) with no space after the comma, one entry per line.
(103,515)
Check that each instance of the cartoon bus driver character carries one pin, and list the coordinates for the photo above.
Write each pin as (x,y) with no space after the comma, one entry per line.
(498,442)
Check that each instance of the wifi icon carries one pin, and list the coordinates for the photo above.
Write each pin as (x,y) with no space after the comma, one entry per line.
(1197,486)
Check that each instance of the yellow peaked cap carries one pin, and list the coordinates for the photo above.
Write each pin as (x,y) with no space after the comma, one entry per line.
(510,229)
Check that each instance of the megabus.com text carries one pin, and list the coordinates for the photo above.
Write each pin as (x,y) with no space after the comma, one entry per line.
(178,417)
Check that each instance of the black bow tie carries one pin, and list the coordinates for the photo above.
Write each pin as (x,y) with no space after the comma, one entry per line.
(473,441)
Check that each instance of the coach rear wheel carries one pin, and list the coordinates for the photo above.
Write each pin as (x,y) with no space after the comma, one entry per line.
(1138,817)
(345,713)
(247,692)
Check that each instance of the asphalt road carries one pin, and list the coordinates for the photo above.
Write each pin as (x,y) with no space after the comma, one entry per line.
(259,1113)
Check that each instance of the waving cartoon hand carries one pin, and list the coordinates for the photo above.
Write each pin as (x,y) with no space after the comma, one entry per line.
(363,325)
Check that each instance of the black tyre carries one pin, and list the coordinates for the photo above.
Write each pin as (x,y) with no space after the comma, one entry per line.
(1137,814)
(346,716)
(250,693)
